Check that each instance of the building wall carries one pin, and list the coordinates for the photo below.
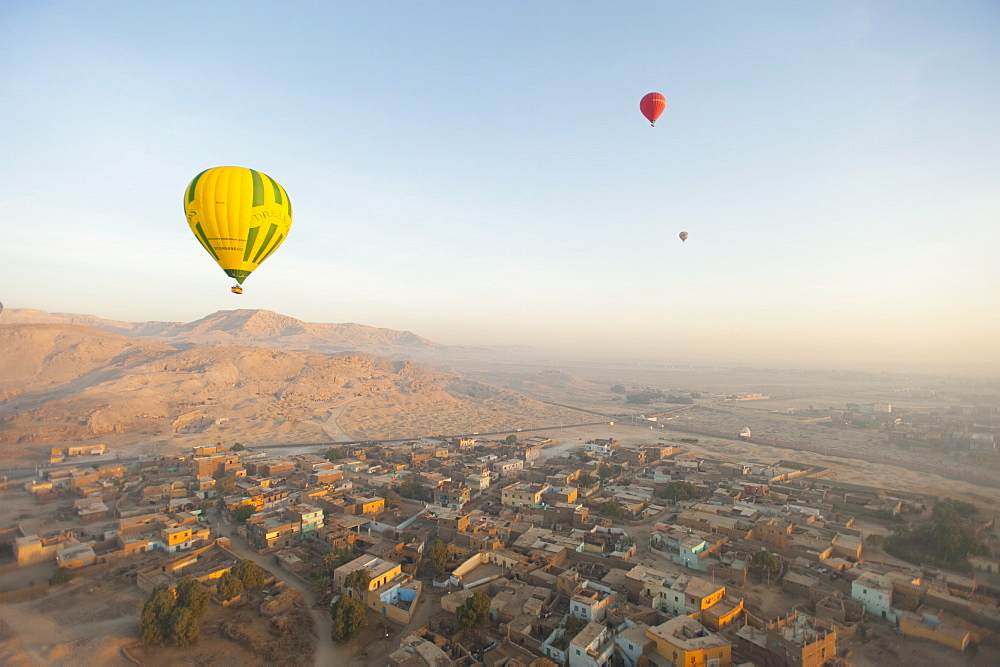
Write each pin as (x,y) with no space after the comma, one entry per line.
(37,552)
(709,600)
(391,611)
(589,611)
(375,583)
(910,628)
(679,657)
(630,656)
(340,574)
(551,652)
(877,602)
(714,620)
(468,566)
(514,497)
(478,482)
(373,507)
(817,653)
(178,538)
(579,656)
(79,562)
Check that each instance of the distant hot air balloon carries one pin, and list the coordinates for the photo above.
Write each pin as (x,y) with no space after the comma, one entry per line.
(651,106)
(683,236)
(240,216)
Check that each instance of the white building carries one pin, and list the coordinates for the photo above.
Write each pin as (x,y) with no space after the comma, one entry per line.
(591,601)
(551,650)
(632,643)
(592,647)
(875,591)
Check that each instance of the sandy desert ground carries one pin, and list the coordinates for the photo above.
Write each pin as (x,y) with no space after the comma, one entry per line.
(846,470)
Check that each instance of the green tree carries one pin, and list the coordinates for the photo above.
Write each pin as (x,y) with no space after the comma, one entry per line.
(348,617)
(474,612)
(511,439)
(237,448)
(944,512)
(252,575)
(605,471)
(229,586)
(769,565)
(585,481)
(677,491)
(155,622)
(415,490)
(192,595)
(613,510)
(335,453)
(185,626)
(943,542)
(438,554)
(243,512)
(358,581)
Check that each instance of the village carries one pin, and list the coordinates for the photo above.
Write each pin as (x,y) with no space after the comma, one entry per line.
(589,553)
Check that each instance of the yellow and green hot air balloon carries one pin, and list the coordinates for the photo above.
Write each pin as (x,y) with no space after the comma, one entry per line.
(240,216)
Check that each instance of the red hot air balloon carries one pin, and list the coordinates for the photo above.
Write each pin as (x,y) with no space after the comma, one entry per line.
(651,106)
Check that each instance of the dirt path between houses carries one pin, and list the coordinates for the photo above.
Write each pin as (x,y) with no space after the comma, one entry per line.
(327,652)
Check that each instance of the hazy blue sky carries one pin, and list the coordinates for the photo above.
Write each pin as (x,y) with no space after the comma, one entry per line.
(479,172)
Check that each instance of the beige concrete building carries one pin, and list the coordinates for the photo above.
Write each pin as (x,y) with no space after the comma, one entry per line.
(522,493)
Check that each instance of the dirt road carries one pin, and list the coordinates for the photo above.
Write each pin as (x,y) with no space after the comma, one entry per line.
(327,651)
(332,428)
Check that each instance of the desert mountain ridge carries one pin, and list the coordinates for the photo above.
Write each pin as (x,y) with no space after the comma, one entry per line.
(264,328)
(64,383)
(244,327)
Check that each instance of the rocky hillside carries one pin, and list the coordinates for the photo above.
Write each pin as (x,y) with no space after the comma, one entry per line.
(246,328)
(64,383)
(265,328)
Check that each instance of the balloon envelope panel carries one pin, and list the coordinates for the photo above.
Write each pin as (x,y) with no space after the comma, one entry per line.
(240,216)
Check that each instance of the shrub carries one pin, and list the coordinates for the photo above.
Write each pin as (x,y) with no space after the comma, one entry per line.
(61,575)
